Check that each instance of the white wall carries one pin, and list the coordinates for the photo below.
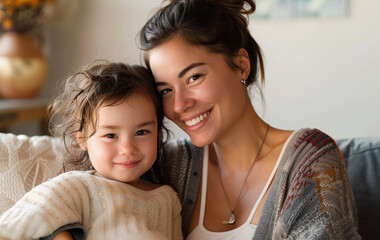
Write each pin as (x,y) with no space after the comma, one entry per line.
(104,29)
(324,73)
(319,72)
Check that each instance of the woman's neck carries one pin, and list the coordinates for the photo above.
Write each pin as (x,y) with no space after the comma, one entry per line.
(237,148)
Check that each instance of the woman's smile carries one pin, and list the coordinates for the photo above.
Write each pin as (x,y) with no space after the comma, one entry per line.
(196,120)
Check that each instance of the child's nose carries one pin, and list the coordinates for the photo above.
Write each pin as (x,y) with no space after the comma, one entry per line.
(128,147)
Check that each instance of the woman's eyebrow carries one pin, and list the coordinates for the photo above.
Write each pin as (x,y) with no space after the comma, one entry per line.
(161,84)
(191,66)
(183,72)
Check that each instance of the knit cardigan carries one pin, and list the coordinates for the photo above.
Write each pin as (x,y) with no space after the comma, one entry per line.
(310,197)
(106,209)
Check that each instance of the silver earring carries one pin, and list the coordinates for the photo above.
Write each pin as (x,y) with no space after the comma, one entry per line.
(243,81)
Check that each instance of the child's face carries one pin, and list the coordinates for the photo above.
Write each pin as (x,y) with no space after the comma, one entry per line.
(124,145)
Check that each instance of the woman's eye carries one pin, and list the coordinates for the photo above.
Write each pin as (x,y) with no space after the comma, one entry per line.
(194,78)
(165,91)
(142,132)
(110,135)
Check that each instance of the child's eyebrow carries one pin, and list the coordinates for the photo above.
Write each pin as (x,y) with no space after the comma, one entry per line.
(108,127)
(144,124)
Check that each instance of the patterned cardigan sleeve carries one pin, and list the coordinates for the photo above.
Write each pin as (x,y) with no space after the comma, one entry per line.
(316,200)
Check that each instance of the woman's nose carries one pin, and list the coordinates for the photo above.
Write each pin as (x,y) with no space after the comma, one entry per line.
(182,101)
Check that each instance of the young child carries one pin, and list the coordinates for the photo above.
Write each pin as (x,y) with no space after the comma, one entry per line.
(112,114)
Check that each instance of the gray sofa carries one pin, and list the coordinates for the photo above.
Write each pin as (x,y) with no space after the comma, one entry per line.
(27,161)
(362,157)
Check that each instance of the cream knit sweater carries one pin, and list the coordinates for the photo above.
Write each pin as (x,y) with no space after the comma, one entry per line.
(105,208)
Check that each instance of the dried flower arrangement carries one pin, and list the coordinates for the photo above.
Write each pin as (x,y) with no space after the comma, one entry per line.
(24,15)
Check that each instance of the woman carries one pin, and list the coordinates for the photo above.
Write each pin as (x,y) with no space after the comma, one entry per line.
(238,177)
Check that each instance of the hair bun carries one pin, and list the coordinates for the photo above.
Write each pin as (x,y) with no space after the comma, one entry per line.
(237,6)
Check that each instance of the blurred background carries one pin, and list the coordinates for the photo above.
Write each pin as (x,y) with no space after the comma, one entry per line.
(321,71)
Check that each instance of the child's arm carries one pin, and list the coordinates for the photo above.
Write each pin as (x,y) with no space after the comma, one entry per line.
(176,228)
(177,219)
(46,208)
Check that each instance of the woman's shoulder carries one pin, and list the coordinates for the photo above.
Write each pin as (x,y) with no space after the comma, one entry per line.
(304,138)
(310,139)
(313,167)
(311,148)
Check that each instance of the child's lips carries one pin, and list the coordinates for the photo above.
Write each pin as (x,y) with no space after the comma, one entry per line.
(130,164)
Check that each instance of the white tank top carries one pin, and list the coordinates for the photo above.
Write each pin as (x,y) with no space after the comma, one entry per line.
(243,232)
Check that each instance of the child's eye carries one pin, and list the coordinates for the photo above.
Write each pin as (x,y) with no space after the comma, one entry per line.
(110,135)
(165,91)
(142,132)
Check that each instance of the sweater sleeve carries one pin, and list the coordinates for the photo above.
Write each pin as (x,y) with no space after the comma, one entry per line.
(176,220)
(46,208)
(180,167)
(318,202)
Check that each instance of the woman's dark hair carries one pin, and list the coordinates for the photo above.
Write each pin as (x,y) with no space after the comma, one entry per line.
(102,83)
(219,25)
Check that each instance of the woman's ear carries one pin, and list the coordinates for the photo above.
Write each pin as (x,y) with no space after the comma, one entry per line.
(80,140)
(243,62)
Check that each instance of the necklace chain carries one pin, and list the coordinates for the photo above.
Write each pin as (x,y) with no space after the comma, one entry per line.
(232,217)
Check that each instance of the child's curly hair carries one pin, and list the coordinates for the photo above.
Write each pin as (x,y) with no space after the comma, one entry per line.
(99,84)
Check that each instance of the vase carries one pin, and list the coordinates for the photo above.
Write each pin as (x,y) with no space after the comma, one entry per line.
(23,66)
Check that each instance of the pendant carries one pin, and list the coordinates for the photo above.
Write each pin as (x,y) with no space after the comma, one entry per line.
(231,219)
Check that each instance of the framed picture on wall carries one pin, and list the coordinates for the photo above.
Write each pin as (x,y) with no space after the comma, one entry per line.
(268,9)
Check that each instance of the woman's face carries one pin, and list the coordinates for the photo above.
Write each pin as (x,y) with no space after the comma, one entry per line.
(200,92)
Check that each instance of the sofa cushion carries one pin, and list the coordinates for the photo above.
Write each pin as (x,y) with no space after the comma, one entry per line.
(26,162)
(362,158)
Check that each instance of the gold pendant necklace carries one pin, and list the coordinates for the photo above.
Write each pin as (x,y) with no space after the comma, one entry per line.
(232,217)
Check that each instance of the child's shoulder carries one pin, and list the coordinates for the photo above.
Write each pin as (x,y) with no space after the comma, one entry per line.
(77,176)
(146,185)
(151,188)
(77,173)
